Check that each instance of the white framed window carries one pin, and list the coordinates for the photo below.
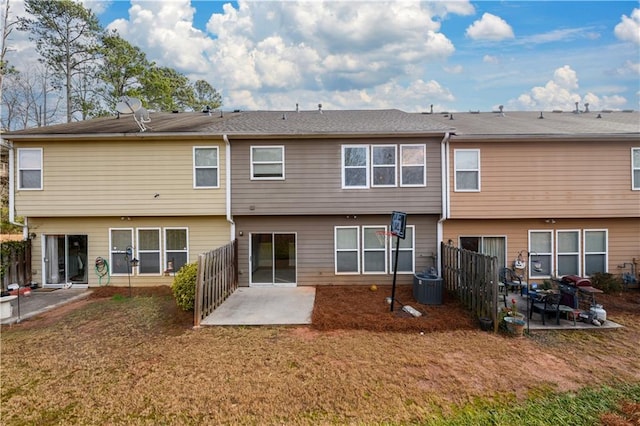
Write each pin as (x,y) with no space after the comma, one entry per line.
(355,166)
(267,162)
(406,252)
(635,169)
(489,245)
(568,252)
(541,249)
(206,170)
(374,250)
(413,165)
(120,250)
(467,170)
(347,249)
(149,251)
(176,248)
(596,249)
(383,165)
(30,168)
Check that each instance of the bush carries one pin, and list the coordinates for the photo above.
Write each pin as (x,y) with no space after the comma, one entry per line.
(184,286)
(608,283)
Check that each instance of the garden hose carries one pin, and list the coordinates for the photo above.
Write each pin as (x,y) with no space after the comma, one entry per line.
(102,270)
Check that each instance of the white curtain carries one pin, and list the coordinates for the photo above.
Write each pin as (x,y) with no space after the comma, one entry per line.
(52,259)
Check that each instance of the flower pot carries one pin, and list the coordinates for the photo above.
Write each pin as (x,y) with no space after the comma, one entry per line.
(515,325)
(486,324)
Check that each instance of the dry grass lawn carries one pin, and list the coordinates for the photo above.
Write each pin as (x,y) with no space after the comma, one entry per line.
(115,360)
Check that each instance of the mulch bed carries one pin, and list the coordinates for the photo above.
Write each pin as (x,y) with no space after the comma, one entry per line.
(357,307)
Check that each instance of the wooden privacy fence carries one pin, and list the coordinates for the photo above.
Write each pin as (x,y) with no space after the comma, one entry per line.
(217,279)
(474,278)
(16,263)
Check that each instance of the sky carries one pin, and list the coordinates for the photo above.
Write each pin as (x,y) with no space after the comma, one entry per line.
(410,55)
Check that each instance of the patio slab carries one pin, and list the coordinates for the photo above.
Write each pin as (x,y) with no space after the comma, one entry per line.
(265,306)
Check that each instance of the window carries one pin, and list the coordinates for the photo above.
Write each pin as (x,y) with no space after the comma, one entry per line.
(149,251)
(467,169)
(635,168)
(30,168)
(347,250)
(374,249)
(595,251)
(413,169)
(176,248)
(121,243)
(406,255)
(205,167)
(383,165)
(355,166)
(267,162)
(568,253)
(541,249)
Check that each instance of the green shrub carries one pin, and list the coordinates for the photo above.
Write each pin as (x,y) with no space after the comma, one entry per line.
(608,283)
(184,286)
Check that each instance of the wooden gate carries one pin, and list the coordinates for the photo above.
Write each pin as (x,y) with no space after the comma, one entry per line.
(15,263)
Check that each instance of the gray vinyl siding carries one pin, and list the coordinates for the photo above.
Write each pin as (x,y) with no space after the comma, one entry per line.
(315,246)
(313,181)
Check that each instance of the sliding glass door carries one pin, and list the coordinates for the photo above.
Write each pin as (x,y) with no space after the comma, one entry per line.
(273,259)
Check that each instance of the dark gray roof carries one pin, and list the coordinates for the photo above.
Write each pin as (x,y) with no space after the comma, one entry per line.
(522,123)
(255,123)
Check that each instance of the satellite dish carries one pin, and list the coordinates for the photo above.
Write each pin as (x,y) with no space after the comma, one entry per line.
(128,105)
(133,106)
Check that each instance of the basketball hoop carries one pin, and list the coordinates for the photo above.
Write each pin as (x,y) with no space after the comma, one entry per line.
(382,236)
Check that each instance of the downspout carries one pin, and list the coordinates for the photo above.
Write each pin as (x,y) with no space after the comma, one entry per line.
(228,185)
(12,200)
(444,215)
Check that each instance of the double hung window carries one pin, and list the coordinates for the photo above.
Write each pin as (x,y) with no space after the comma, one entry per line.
(383,165)
(149,251)
(635,169)
(176,248)
(267,162)
(206,167)
(467,170)
(378,166)
(413,169)
(30,168)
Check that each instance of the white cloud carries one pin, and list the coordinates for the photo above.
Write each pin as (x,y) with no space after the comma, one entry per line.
(490,59)
(456,69)
(490,27)
(629,27)
(629,68)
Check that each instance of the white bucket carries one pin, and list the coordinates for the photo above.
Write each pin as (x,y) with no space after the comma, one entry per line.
(599,313)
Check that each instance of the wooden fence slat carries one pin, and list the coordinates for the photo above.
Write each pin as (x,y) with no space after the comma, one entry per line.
(217,279)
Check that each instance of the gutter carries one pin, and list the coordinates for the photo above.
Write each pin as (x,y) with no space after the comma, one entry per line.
(12,195)
(444,215)
(227,145)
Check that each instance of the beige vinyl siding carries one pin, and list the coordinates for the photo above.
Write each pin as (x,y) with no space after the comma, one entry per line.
(204,233)
(556,179)
(313,181)
(121,178)
(623,235)
(315,246)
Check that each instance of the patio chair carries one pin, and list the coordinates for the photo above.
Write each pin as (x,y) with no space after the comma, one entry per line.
(510,280)
(546,304)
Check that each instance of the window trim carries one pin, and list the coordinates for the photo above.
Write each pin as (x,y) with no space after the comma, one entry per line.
(140,251)
(336,250)
(386,166)
(217,167)
(424,166)
(585,253)
(253,163)
(367,166)
(533,253)
(392,253)
(384,250)
(164,246)
(635,186)
(111,251)
(40,169)
(577,254)
(456,170)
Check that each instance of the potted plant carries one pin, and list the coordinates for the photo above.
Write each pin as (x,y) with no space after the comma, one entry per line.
(514,320)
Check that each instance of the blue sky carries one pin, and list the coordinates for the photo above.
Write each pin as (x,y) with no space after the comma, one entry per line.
(455,55)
